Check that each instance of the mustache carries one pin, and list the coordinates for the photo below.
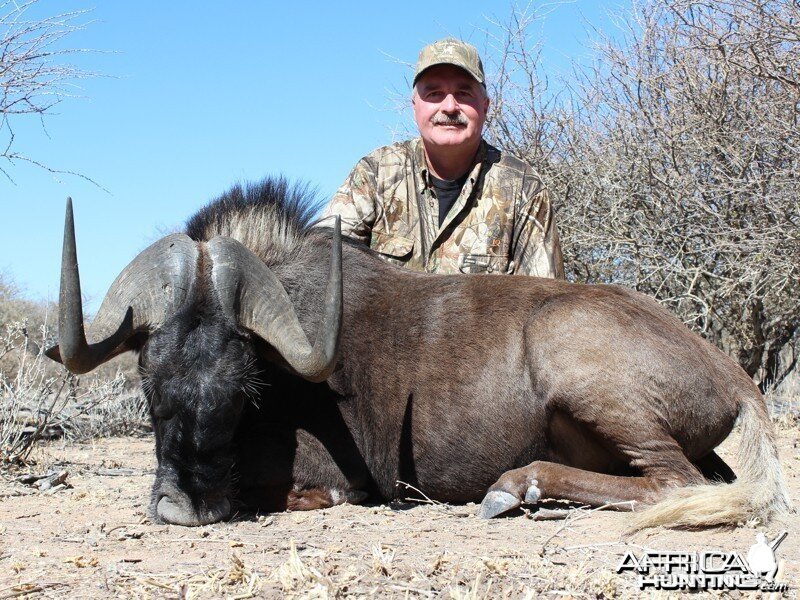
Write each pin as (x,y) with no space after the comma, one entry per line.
(453,120)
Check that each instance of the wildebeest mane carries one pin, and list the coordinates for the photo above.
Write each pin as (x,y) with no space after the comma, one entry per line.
(271,217)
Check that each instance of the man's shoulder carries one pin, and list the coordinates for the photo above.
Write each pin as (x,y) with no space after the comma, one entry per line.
(509,169)
(510,163)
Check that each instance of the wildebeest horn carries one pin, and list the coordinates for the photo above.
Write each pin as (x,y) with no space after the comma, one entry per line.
(152,286)
(251,293)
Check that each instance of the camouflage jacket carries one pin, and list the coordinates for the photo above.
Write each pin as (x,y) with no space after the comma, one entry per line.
(502,222)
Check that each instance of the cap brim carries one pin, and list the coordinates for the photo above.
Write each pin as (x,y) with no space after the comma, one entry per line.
(452,64)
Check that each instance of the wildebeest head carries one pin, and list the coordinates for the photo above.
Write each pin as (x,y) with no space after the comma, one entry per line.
(193,310)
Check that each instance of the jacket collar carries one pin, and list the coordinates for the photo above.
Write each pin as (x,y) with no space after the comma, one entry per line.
(421,163)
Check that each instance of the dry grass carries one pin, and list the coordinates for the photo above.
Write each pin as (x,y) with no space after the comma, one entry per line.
(29,399)
(234,581)
(93,540)
(784,401)
(40,400)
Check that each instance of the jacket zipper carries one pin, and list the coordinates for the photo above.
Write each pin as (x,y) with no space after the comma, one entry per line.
(422,229)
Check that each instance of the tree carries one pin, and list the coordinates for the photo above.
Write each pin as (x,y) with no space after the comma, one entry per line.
(675,160)
(33,77)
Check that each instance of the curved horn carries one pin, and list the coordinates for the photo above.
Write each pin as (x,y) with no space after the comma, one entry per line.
(251,293)
(145,292)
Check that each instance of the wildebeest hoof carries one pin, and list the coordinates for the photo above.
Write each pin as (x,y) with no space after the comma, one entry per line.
(497,502)
(533,493)
(347,496)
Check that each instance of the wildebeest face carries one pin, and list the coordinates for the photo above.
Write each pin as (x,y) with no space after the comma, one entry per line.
(195,308)
(197,373)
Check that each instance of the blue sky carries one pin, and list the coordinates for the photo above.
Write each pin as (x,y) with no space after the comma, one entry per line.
(194,97)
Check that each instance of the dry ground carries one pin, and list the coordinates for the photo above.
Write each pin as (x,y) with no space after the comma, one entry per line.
(93,540)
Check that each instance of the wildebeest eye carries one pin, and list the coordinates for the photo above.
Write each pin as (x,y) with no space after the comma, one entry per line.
(163,408)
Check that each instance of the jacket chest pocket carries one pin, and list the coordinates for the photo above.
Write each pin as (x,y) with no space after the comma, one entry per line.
(393,248)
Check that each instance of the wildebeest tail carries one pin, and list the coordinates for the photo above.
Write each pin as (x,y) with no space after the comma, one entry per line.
(759,492)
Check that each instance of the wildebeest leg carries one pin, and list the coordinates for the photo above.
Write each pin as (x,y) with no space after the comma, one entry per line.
(542,479)
(714,468)
(314,498)
(292,497)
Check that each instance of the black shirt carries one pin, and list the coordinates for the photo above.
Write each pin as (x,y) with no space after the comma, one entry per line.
(447,191)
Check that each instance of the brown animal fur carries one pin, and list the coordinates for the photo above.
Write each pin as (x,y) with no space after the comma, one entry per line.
(528,388)
(451,381)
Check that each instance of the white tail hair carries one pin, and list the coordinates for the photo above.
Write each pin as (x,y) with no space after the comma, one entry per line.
(759,492)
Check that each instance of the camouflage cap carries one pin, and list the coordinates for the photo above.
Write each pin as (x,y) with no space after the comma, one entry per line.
(451,51)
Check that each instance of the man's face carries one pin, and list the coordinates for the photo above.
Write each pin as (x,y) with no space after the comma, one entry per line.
(449,107)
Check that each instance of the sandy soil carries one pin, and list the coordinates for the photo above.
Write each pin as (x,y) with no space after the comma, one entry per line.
(93,540)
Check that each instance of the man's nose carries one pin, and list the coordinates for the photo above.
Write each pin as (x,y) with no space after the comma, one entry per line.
(449,104)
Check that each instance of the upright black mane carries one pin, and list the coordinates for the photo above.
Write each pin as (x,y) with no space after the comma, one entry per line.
(271,217)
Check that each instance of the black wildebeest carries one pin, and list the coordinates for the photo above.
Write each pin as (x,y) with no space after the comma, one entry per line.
(506,389)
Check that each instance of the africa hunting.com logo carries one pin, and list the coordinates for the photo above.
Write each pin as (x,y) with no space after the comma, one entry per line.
(708,570)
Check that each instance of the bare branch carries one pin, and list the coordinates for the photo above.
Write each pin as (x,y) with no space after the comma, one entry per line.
(34,77)
(675,160)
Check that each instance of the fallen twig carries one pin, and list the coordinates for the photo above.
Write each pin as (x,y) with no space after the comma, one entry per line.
(577,514)
(425,499)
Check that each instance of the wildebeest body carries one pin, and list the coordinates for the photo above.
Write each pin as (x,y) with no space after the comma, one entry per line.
(453,384)
(447,395)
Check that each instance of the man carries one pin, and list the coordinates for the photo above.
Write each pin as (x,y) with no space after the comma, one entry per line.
(448,202)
